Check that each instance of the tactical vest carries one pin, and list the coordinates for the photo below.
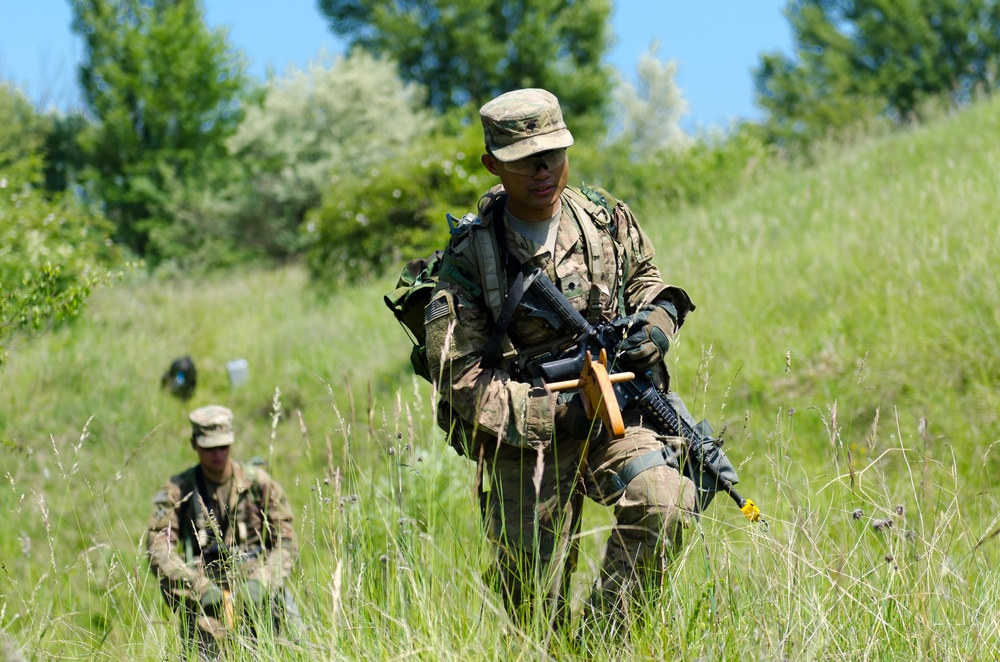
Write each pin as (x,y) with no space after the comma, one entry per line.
(474,237)
(197,532)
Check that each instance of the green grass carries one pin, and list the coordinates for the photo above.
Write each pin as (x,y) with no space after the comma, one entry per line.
(847,337)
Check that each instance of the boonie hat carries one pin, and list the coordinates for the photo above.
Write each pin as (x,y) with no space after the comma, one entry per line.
(524,122)
(212,426)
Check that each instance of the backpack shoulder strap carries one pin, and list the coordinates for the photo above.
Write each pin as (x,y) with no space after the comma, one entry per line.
(477,240)
(185,481)
(486,250)
(597,202)
(190,514)
(601,198)
(593,218)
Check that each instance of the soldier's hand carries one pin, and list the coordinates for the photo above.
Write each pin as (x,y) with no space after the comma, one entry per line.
(253,592)
(211,598)
(646,336)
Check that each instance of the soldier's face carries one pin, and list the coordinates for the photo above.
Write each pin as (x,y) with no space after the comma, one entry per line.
(214,461)
(531,197)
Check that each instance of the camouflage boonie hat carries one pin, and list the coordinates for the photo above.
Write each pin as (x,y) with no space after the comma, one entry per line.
(524,122)
(212,426)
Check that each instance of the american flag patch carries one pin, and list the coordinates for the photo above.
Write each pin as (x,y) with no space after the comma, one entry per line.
(436,309)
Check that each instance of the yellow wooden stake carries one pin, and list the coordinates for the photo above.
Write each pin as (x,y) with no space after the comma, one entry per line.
(598,396)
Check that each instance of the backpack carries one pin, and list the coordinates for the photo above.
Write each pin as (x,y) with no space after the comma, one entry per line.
(408,301)
(180,378)
(470,235)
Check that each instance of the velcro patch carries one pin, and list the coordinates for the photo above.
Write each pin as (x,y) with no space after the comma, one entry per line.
(436,309)
(453,272)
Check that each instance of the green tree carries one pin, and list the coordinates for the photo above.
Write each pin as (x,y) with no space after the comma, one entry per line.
(473,50)
(164,91)
(371,219)
(64,158)
(858,57)
(52,253)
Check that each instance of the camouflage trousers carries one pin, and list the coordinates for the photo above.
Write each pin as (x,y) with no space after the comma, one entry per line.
(206,634)
(532,504)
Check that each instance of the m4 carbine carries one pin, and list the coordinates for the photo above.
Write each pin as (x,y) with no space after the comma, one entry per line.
(705,462)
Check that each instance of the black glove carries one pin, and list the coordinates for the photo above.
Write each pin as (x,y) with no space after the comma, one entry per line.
(253,592)
(571,420)
(646,336)
(211,599)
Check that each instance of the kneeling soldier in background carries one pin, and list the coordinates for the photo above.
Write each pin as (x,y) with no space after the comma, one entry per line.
(221,541)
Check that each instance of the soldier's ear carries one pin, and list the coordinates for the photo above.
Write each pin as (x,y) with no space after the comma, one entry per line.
(490,162)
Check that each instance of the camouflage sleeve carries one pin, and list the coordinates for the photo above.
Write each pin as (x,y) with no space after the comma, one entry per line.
(162,536)
(458,329)
(282,547)
(645,284)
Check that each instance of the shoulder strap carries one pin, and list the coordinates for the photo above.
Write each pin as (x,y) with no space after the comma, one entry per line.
(487,253)
(510,301)
(589,216)
(187,514)
(489,244)
(205,497)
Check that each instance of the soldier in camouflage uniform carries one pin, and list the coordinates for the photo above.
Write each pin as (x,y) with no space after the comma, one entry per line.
(221,541)
(537,452)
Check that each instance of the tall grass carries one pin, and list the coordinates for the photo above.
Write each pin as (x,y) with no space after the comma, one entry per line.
(846,338)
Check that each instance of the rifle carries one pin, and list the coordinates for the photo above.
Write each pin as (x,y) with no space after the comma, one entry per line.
(573,367)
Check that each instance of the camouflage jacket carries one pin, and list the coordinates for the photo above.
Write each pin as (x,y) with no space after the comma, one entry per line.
(182,540)
(602,265)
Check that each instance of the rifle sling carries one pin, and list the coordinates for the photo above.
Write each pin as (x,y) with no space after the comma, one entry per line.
(514,294)
(221,518)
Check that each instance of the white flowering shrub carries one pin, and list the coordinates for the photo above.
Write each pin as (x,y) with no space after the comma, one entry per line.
(338,117)
(651,110)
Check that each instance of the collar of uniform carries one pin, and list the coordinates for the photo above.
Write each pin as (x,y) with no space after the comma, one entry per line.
(242,482)
(527,251)
(525,245)
(520,247)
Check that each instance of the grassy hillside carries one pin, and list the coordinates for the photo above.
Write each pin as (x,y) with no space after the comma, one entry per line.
(847,337)
(866,282)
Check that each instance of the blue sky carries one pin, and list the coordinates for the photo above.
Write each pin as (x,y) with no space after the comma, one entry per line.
(715,43)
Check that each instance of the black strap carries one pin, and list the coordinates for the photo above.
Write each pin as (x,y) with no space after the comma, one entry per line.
(665,456)
(221,518)
(510,264)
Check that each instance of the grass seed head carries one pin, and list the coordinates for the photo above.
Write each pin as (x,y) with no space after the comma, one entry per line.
(882,524)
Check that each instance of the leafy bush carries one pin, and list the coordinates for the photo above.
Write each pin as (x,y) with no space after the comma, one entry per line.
(868,59)
(51,250)
(651,110)
(396,210)
(165,91)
